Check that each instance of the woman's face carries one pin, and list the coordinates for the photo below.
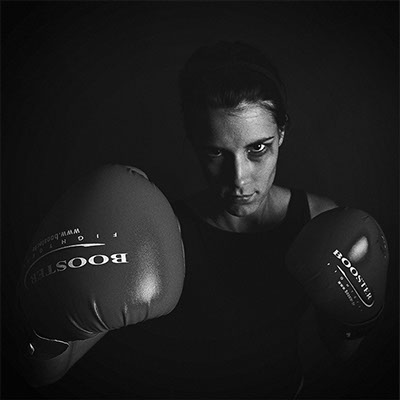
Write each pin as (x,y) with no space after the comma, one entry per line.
(238,151)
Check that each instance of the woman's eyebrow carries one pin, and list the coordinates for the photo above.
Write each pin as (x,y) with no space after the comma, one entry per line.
(260,141)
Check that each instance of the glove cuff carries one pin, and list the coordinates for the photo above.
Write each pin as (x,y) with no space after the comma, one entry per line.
(352,332)
(42,348)
(341,330)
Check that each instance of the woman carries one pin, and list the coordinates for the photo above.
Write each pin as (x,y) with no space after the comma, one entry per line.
(237,231)
(235,114)
(235,330)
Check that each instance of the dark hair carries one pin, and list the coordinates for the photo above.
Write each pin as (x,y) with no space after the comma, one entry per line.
(227,74)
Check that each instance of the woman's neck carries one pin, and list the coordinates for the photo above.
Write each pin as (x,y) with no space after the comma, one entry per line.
(270,213)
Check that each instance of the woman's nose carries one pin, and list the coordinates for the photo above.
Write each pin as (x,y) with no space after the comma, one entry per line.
(241,172)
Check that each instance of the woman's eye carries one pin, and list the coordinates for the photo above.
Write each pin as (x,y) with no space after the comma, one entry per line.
(213,153)
(258,149)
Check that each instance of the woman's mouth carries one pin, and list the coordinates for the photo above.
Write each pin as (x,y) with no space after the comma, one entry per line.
(242,199)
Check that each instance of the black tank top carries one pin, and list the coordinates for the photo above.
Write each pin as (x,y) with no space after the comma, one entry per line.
(234,331)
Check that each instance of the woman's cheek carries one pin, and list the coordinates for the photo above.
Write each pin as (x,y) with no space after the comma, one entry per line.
(212,170)
(266,168)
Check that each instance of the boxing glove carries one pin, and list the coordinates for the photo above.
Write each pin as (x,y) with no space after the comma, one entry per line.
(341,257)
(109,254)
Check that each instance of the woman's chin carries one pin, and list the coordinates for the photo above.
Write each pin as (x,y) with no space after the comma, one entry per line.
(240,210)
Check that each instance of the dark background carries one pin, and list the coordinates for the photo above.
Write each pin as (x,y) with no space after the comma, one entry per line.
(89,83)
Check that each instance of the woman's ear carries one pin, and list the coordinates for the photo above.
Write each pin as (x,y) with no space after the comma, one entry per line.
(282,129)
(281,136)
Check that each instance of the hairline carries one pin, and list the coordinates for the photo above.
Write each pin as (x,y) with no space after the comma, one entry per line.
(245,105)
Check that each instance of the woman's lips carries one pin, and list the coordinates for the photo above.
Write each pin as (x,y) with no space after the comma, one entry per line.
(242,199)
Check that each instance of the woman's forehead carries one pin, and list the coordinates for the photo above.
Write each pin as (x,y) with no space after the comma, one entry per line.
(244,113)
(241,126)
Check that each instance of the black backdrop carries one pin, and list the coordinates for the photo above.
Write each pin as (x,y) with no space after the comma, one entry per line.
(89,83)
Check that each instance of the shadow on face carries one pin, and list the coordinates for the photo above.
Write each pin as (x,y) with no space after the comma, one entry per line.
(238,151)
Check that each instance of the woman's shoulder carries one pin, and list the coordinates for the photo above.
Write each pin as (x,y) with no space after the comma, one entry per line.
(319,204)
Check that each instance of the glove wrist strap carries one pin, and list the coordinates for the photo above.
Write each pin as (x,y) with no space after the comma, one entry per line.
(356,331)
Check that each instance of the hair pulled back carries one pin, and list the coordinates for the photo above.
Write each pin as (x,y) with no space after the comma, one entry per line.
(227,75)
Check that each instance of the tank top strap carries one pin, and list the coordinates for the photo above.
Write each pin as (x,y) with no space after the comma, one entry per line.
(298,212)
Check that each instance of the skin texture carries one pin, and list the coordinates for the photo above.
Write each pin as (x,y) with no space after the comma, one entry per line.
(238,151)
